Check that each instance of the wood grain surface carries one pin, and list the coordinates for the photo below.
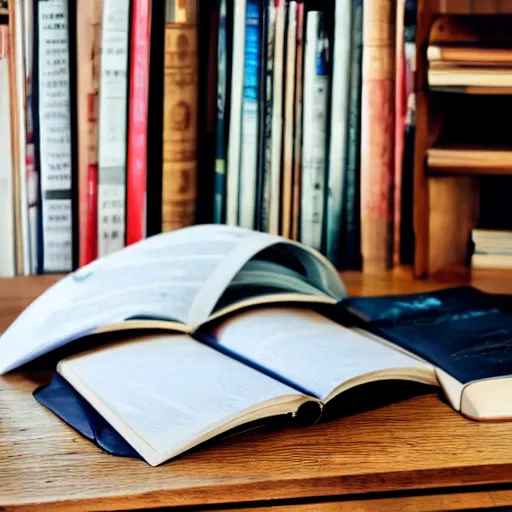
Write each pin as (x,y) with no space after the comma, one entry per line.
(412,446)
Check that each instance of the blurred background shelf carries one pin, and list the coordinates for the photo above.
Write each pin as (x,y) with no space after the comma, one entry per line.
(469,161)
(474,6)
(463,148)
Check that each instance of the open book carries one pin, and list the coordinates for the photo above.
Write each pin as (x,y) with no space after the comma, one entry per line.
(176,281)
(246,340)
(165,394)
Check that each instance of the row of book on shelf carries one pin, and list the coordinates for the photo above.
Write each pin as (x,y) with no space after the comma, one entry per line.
(125,118)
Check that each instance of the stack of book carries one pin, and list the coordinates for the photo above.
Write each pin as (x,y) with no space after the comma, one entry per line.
(492,249)
(470,67)
(259,330)
(471,54)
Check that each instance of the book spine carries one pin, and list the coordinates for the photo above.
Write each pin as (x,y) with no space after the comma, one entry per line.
(339,124)
(34,199)
(112,127)
(314,151)
(400,109)
(7,257)
(351,252)
(155,120)
(377,135)
(88,25)
(267,123)
(289,123)
(235,121)
(277,119)
(137,123)
(407,203)
(250,121)
(18,99)
(297,150)
(55,136)
(351,229)
(179,180)
(219,213)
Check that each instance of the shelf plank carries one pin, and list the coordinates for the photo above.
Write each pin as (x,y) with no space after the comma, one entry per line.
(469,161)
(475,6)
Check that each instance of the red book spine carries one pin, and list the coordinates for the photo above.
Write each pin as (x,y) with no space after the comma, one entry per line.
(91,238)
(137,123)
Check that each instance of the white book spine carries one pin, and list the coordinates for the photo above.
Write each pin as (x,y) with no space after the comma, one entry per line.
(7,259)
(339,122)
(316,97)
(112,126)
(277,121)
(235,122)
(19,56)
(55,135)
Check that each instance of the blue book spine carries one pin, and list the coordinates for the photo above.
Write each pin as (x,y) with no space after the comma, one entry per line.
(219,214)
(250,121)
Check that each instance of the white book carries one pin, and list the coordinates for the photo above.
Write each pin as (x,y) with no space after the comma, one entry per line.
(7,255)
(315,119)
(55,136)
(339,125)
(22,219)
(112,126)
(277,120)
(235,119)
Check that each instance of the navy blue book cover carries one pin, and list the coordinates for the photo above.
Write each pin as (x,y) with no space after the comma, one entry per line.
(464,331)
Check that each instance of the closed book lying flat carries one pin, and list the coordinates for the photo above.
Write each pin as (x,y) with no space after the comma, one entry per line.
(465,333)
(490,260)
(219,328)
(465,54)
(460,76)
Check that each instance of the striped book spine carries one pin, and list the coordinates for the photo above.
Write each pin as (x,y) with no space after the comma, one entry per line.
(55,135)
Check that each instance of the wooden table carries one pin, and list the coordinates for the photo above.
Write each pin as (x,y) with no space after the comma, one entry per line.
(415,455)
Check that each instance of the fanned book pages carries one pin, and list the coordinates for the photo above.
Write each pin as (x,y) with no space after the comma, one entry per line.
(257,327)
(176,281)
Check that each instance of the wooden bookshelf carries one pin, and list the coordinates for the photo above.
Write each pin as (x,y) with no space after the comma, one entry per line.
(429,28)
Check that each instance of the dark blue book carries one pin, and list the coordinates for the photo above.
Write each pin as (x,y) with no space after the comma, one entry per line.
(464,333)
(223,101)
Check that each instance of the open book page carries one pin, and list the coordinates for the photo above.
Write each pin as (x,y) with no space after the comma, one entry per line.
(312,352)
(165,394)
(172,277)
